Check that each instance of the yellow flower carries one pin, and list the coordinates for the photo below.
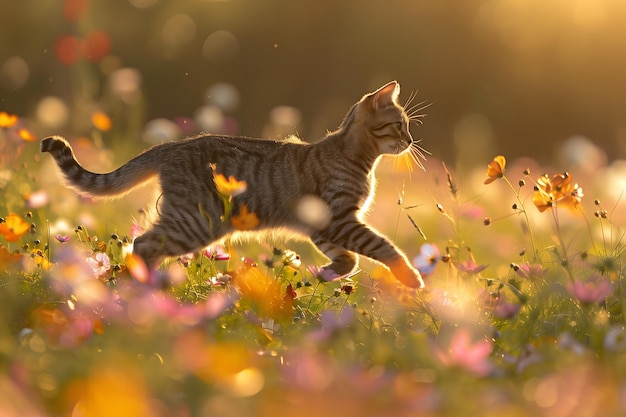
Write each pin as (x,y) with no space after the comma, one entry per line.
(557,190)
(228,187)
(7,120)
(13,227)
(101,121)
(245,220)
(495,169)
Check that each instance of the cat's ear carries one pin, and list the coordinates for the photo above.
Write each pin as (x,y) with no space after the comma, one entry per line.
(387,95)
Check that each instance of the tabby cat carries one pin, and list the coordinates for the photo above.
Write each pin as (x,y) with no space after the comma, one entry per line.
(337,173)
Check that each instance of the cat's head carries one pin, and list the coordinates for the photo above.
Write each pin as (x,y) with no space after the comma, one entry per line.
(381,124)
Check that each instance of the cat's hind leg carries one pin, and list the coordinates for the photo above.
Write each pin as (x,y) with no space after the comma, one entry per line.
(180,230)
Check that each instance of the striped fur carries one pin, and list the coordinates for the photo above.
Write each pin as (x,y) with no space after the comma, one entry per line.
(337,172)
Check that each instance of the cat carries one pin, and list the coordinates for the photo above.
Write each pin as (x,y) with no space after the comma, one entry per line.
(335,173)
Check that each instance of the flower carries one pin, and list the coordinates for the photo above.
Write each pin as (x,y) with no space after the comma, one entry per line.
(26,135)
(291,259)
(462,353)
(324,274)
(99,263)
(506,310)
(216,253)
(101,121)
(228,187)
(615,339)
(469,267)
(495,169)
(556,190)
(8,259)
(62,238)
(13,227)
(7,120)
(245,220)
(592,291)
(427,260)
(530,271)
(220,279)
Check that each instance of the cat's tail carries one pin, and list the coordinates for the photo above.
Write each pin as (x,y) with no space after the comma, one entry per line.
(115,183)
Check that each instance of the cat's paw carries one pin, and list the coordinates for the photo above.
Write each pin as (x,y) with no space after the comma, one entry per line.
(406,274)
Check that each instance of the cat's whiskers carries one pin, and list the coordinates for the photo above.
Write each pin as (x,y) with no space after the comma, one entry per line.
(417,154)
(410,99)
(414,113)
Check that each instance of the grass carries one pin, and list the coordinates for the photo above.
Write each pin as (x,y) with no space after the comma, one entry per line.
(523,314)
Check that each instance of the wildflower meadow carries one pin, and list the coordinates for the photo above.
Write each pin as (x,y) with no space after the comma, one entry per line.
(523,313)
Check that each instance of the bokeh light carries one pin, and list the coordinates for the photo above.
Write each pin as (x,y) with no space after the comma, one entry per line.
(14,73)
(52,112)
(220,46)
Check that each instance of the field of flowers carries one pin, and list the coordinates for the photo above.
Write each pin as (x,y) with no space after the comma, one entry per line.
(523,314)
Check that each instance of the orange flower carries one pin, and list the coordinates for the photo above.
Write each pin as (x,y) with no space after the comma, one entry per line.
(26,135)
(13,227)
(495,169)
(7,120)
(228,187)
(101,121)
(8,259)
(245,220)
(556,190)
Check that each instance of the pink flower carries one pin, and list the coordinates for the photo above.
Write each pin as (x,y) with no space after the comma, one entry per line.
(216,253)
(531,271)
(588,292)
(463,354)
(470,267)
(506,310)
(328,275)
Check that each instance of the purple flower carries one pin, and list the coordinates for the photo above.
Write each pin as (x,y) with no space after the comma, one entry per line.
(62,238)
(592,291)
(428,259)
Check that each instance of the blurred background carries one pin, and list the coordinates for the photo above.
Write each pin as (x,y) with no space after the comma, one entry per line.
(521,78)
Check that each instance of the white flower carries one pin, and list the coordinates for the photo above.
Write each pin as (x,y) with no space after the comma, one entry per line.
(615,339)
(99,263)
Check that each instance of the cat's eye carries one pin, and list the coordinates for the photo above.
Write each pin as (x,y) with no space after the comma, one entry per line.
(398,126)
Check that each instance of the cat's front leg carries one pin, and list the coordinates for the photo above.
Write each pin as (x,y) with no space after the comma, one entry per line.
(342,262)
(355,236)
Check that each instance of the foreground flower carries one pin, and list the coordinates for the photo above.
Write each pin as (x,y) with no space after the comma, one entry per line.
(99,263)
(427,260)
(556,191)
(589,292)
(495,169)
(245,220)
(13,227)
(462,353)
